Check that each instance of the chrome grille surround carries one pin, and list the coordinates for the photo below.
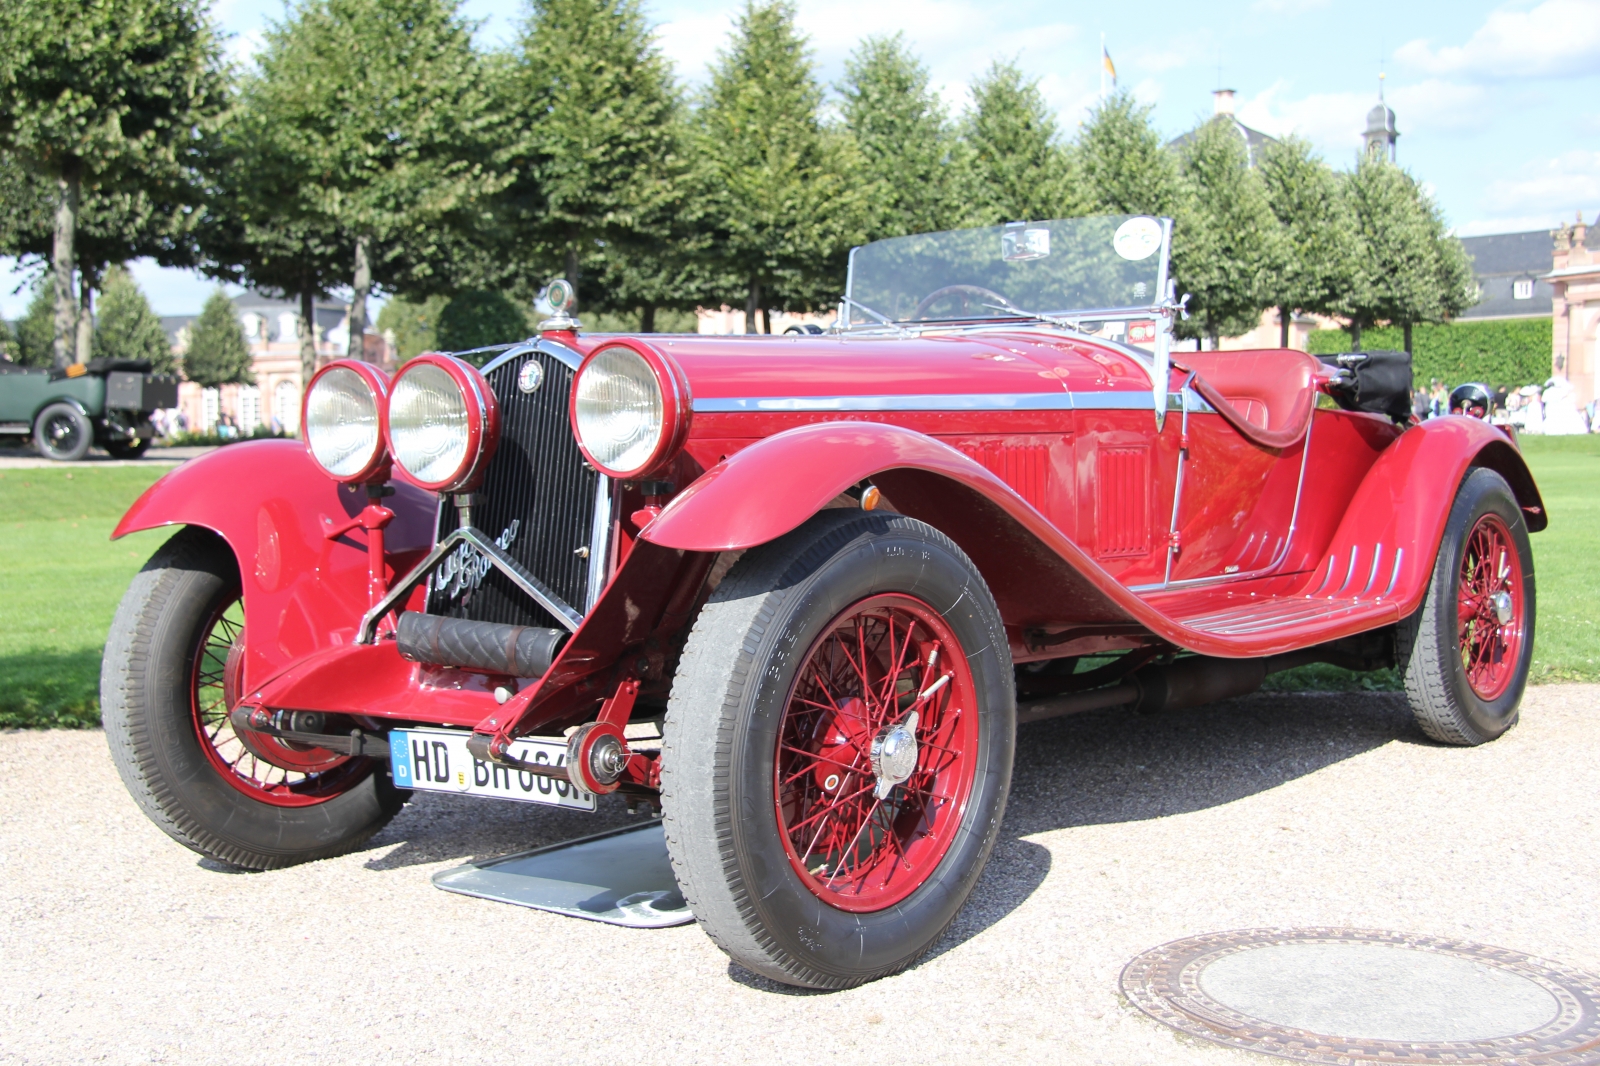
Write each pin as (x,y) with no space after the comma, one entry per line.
(539,501)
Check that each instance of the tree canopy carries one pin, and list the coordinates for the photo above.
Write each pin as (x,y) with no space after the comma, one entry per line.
(217,354)
(126,327)
(1019,170)
(106,95)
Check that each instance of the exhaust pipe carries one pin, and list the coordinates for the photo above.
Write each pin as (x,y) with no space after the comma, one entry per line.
(487,647)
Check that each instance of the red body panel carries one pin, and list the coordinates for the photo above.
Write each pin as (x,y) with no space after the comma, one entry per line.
(304,592)
(1065,508)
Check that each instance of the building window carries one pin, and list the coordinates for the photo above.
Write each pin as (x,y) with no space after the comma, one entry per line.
(210,409)
(286,406)
(249,408)
(1522,289)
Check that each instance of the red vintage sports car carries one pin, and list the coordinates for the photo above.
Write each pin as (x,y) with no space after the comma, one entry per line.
(837,571)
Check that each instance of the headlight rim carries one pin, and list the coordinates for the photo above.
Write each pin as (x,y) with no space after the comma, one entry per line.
(676,408)
(377,467)
(483,423)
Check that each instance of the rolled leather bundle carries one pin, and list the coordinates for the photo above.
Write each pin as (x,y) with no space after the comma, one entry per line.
(488,647)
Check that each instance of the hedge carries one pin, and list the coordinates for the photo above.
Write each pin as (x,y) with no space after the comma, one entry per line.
(1510,352)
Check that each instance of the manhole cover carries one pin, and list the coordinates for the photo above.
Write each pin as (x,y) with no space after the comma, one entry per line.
(1351,995)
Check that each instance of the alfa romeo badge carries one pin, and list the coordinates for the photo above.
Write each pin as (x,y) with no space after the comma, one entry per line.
(531,376)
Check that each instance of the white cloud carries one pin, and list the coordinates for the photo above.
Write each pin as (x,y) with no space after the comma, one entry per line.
(1333,121)
(1553,39)
(1506,224)
(1556,187)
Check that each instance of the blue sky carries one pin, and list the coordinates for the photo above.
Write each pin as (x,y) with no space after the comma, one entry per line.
(1498,104)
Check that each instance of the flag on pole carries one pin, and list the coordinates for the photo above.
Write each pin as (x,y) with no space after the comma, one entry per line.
(1107,65)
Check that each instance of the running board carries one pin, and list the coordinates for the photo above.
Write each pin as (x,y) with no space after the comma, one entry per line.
(621,877)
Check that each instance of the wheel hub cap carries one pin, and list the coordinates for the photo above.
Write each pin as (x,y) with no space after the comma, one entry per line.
(894,754)
(1501,603)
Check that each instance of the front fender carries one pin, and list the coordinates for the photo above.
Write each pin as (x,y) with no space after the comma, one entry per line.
(265,499)
(1404,501)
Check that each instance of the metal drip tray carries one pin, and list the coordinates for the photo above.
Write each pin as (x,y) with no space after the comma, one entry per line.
(622,877)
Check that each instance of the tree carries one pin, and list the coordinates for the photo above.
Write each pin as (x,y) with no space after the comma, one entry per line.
(783,208)
(477,318)
(1019,171)
(1411,270)
(217,354)
(103,94)
(126,328)
(413,323)
(1121,166)
(381,107)
(8,342)
(36,330)
(1319,269)
(598,165)
(1225,246)
(910,157)
(115,225)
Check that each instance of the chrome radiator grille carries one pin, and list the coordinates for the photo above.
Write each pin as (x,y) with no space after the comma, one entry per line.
(537,501)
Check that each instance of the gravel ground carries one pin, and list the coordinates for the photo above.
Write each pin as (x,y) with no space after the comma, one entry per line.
(25,458)
(1122,833)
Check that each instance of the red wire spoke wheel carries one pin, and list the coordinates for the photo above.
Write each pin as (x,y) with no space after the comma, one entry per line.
(860,839)
(173,667)
(263,767)
(1466,651)
(837,748)
(1490,607)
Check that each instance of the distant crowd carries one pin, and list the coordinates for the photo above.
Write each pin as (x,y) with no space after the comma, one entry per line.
(1552,409)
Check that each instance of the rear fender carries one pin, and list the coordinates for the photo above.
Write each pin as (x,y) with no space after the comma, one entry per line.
(760,493)
(1389,538)
(303,593)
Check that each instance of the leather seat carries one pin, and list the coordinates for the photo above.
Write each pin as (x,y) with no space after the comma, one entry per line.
(1266,394)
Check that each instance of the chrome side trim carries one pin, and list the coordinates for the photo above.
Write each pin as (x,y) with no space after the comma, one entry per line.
(993,401)
(1372,578)
(599,541)
(497,558)
(1394,578)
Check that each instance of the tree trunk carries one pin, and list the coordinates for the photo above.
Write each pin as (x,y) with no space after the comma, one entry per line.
(66,226)
(573,271)
(306,331)
(1283,327)
(751,304)
(358,302)
(1355,336)
(766,321)
(1215,340)
(647,319)
(1406,328)
(86,287)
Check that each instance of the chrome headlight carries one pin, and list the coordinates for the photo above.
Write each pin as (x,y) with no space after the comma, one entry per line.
(619,412)
(343,420)
(442,423)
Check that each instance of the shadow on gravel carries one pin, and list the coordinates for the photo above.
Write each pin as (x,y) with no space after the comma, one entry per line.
(440,828)
(1095,769)
(1119,767)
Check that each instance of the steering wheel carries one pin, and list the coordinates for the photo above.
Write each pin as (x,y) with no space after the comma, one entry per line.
(964,290)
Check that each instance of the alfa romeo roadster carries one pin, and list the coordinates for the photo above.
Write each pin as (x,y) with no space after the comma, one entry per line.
(798,592)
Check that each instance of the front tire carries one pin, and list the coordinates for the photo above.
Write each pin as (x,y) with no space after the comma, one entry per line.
(169,676)
(838,749)
(1465,654)
(62,432)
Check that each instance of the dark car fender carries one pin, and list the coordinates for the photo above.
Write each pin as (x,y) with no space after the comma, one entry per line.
(303,592)
(1389,537)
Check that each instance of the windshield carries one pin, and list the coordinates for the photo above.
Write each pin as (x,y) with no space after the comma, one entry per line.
(1022,269)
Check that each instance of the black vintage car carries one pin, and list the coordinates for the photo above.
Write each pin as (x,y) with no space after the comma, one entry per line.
(104,401)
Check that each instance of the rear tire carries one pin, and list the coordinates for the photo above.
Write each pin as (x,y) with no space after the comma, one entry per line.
(1465,654)
(62,432)
(753,759)
(159,689)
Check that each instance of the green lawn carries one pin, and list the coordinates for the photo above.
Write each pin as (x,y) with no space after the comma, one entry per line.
(61,579)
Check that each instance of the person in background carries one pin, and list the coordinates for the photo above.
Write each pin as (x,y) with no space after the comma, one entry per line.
(1420,403)
(1440,398)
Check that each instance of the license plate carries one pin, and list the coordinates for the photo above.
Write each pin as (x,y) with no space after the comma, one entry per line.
(437,760)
